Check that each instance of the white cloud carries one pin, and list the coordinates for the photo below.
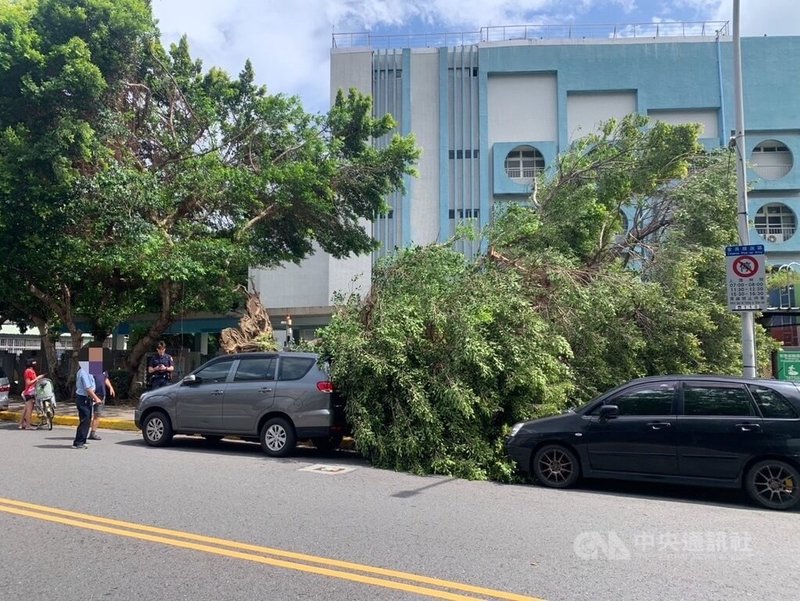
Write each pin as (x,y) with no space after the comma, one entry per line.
(289,42)
(758,17)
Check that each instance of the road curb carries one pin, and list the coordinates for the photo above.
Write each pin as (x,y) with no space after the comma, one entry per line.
(109,423)
(105,423)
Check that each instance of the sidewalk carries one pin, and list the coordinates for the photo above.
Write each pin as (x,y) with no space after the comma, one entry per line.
(114,417)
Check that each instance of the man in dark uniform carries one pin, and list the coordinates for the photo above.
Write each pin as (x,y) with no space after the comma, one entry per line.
(160,366)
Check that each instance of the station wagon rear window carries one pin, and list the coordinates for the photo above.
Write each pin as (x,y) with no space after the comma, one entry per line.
(772,404)
(716,400)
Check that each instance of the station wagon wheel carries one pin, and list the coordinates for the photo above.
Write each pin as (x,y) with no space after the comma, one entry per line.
(773,484)
(556,466)
(157,429)
(277,437)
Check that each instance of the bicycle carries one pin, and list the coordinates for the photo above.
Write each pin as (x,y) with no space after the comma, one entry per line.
(45,403)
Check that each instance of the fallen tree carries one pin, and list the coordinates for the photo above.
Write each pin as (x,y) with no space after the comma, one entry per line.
(255,329)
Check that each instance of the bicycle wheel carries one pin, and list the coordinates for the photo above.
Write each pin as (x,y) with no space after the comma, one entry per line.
(49,412)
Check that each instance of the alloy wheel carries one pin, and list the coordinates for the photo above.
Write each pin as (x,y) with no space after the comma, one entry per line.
(556,466)
(774,484)
(278,438)
(155,429)
(275,438)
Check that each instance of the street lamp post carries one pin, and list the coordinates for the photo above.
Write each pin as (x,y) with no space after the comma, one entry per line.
(748,322)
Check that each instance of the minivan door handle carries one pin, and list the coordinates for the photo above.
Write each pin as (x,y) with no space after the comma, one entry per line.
(218,392)
(265,389)
(658,425)
(748,427)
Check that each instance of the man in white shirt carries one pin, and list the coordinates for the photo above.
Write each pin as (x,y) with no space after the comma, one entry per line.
(85,398)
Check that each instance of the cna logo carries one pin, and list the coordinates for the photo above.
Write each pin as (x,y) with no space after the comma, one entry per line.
(600,545)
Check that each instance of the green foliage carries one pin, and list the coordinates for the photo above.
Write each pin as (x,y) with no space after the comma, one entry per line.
(444,355)
(439,360)
(121,381)
(628,162)
(133,181)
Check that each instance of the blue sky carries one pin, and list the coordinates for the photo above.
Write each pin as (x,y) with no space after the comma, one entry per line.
(289,41)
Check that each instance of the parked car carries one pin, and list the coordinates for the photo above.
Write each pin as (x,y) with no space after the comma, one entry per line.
(275,398)
(5,386)
(702,430)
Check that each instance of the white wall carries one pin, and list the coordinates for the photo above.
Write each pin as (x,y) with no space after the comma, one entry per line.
(351,69)
(313,282)
(708,120)
(585,112)
(304,285)
(522,107)
(425,117)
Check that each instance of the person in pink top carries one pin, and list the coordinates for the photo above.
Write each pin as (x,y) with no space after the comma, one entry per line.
(28,394)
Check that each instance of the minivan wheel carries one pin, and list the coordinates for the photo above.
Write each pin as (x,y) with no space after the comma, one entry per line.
(773,484)
(556,466)
(277,437)
(156,429)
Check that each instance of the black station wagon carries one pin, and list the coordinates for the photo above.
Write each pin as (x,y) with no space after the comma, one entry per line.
(703,430)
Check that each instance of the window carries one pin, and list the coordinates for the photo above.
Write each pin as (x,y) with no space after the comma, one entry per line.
(524,163)
(255,368)
(216,372)
(716,400)
(294,368)
(655,399)
(772,404)
(775,222)
(465,213)
(465,154)
(772,159)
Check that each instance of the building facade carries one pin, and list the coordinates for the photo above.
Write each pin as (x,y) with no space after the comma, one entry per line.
(490,109)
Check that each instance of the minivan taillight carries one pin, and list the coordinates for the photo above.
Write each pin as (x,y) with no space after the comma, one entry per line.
(325,386)
(5,388)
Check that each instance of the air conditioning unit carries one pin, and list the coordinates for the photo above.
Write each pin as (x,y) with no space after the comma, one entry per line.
(775,238)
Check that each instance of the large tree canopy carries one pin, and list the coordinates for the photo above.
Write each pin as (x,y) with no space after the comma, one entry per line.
(133,180)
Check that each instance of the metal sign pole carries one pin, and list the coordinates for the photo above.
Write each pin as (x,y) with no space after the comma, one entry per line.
(748,322)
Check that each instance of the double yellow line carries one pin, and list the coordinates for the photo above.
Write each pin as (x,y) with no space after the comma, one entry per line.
(311,564)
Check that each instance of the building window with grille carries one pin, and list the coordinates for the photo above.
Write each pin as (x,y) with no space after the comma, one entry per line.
(523,164)
(772,159)
(775,222)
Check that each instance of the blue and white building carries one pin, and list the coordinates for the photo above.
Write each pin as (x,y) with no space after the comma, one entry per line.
(491,108)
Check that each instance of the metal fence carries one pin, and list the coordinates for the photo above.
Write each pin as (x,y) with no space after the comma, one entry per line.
(505,33)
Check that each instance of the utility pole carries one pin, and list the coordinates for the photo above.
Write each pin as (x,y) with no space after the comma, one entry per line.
(748,322)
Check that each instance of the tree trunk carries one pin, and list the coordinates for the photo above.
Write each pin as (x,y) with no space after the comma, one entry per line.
(165,319)
(48,345)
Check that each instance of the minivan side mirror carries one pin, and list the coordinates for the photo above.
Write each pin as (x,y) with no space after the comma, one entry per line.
(608,412)
(190,379)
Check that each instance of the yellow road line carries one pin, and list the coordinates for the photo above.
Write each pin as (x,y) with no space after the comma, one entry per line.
(90,522)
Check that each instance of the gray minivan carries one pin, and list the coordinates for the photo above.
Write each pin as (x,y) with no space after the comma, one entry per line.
(275,398)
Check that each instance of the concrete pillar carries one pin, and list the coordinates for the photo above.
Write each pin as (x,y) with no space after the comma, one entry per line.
(202,337)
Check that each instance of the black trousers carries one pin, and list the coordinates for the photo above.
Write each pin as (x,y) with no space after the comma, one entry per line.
(158,382)
(84,404)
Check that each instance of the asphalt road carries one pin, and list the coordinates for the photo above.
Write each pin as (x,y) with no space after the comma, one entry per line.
(213,522)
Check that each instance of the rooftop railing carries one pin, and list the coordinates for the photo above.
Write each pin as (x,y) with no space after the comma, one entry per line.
(506,33)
